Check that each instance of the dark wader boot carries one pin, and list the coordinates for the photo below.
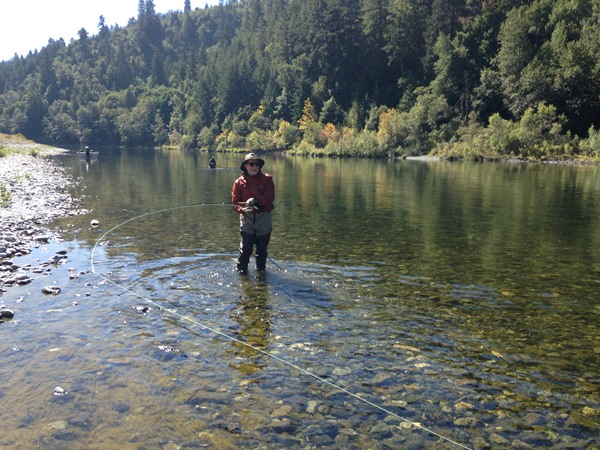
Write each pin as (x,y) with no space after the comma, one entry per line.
(246,245)
(262,242)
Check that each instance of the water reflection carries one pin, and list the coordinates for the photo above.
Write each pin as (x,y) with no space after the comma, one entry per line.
(252,313)
(462,296)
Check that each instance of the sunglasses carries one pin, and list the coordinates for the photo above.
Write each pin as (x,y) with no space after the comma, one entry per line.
(252,164)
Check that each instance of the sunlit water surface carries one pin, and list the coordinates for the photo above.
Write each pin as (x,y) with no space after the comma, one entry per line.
(407,304)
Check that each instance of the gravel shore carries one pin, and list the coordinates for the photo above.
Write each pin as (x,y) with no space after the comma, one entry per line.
(33,192)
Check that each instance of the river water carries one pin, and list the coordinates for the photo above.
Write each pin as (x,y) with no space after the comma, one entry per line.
(406,304)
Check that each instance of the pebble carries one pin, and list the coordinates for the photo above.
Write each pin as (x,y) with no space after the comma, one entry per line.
(37,190)
(312,407)
(59,391)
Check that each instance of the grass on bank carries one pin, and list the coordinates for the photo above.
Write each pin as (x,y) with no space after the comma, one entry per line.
(4,196)
(17,143)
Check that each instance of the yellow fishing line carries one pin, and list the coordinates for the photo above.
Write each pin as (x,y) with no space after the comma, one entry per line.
(234,339)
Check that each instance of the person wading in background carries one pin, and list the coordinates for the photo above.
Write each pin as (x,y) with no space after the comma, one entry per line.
(252,196)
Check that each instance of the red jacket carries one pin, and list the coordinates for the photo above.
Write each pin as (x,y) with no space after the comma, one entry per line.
(260,187)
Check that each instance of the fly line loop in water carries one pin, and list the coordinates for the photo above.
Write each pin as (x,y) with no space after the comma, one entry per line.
(236,340)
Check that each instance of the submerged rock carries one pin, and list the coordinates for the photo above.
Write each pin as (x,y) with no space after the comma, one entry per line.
(51,290)
(6,314)
(59,391)
(142,309)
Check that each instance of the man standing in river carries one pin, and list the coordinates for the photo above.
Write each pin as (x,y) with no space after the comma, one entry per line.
(252,197)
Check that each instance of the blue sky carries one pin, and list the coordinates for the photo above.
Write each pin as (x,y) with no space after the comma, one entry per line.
(28,24)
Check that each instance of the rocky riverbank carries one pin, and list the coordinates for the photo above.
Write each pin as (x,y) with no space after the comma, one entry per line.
(33,192)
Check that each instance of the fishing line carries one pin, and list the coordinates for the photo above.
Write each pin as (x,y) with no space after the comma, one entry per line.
(274,263)
(234,339)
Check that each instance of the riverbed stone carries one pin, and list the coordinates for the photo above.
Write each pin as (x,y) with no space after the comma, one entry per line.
(57,425)
(311,408)
(6,314)
(382,429)
(38,193)
(498,439)
(51,290)
(282,425)
(465,422)
(282,411)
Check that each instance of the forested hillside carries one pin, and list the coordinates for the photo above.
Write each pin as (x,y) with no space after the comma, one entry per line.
(468,78)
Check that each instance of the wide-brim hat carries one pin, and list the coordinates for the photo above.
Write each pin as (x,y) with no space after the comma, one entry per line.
(249,157)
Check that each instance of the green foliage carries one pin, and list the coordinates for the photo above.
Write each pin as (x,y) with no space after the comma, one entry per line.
(356,116)
(405,76)
(548,53)
(538,135)
(206,138)
(415,132)
(539,132)
(230,141)
(305,148)
(312,134)
(261,141)
(4,196)
(331,112)
(500,138)
(591,145)
(286,135)
(352,143)
(259,120)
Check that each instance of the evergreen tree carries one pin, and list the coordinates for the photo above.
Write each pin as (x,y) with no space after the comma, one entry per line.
(249,67)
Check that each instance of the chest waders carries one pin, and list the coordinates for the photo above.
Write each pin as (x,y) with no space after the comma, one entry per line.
(255,230)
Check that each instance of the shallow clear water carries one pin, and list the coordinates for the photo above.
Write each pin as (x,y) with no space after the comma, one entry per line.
(406,304)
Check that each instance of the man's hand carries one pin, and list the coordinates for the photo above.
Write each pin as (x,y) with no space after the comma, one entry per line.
(251,205)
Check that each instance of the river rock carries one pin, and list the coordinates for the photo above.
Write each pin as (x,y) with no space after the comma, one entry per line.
(466,422)
(311,408)
(51,290)
(6,314)
(58,425)
(59,391)
(282,425)
(57,259)
(382,429)
(282,411)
